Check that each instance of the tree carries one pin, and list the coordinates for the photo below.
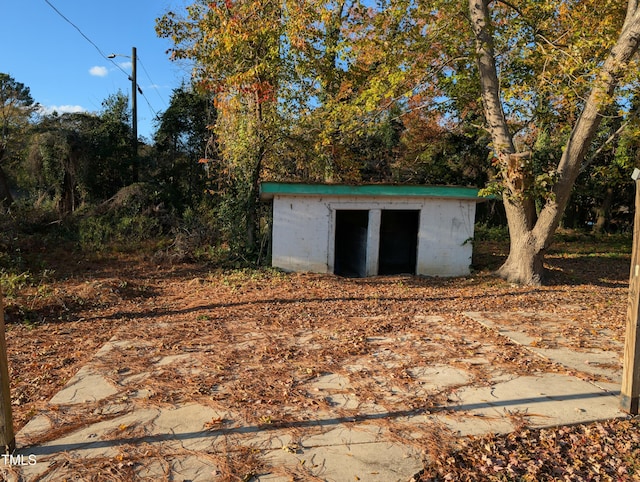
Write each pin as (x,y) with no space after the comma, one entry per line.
(181,141)
(58,158)
(602,193)
(353,65)
(440,150)
(321,36)
(235,46)
(79,157)
(111,167)
(16,109)
(591,67)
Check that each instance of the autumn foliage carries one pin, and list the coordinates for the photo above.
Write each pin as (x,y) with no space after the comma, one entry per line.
(348,91)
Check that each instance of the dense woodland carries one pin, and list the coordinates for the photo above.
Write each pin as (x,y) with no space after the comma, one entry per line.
(534,102)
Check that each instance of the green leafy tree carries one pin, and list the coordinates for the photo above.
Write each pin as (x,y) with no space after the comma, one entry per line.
(182,141)
(75,158)
(17,108)
(541,69)
(111,167)
(58,159)
(235,47)
(603,192)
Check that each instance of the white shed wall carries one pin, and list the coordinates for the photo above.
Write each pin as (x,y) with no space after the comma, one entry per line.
(304,232)
(444,238)
(300,234)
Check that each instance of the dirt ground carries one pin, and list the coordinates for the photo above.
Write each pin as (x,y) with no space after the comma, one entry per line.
(300,325)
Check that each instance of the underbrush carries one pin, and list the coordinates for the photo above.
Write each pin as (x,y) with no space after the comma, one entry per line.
(483,232)
(29,240)
(566,241)
(37,248)
(126,222)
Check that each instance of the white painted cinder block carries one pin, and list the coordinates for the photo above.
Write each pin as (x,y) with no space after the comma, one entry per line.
(304,232)
(300,234)
(444,237)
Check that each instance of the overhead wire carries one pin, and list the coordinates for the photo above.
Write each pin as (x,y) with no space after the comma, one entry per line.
(155,114)
(152,83)
(106,57)
(102,54)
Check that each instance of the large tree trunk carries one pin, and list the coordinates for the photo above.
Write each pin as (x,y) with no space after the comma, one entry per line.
(525,263)
(531,235)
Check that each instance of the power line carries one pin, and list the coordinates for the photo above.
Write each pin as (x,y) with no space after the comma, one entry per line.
(153,84)
(102,54)
(76,27)
(155,114)
(106,57)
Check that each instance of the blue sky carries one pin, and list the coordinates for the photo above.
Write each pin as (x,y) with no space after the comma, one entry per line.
(65,72)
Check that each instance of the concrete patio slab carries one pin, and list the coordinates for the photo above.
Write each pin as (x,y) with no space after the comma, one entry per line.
(542,400)
(86,386)
(362,453)
(594,361)
(345,436)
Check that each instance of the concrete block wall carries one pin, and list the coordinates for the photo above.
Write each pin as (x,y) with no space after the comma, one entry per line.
(304,232)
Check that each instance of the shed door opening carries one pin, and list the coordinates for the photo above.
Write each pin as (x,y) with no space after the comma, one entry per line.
(398,242)
(351,243)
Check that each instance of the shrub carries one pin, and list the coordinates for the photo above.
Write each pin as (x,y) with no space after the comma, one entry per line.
(134,215)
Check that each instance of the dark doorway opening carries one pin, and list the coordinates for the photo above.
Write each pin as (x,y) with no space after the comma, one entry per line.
(398,242)
(351,243)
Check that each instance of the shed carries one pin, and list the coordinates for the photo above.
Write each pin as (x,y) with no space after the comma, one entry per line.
(370,230)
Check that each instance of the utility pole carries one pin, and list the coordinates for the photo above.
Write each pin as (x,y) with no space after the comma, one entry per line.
(7,436)
(630,391)
(135,162)
(134,116)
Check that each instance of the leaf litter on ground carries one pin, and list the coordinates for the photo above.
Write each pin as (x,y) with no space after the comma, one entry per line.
(253,342)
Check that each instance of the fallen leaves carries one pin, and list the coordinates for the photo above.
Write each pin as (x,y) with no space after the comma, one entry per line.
(292,448)
(253,341)
(214,423)
(599,451)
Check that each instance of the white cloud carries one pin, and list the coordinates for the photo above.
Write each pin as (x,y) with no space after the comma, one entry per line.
(61,109)
(98,71)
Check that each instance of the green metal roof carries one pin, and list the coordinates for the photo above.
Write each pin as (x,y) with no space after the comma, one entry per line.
(270,189)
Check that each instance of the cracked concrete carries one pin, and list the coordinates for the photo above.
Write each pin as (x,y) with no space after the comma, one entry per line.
(594,361)
(346,438)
